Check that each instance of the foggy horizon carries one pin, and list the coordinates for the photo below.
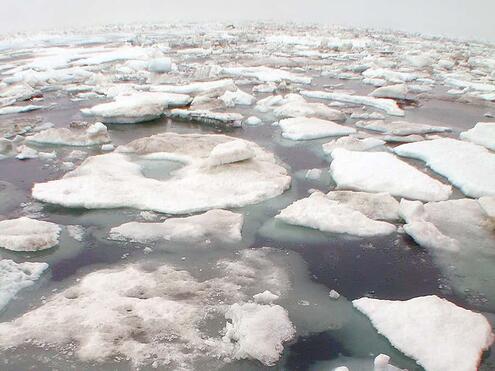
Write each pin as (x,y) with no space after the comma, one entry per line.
(460,20)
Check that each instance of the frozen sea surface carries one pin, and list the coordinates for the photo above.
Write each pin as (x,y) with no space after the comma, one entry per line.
(210,277)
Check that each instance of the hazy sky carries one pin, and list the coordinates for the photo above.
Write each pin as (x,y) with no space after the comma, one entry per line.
(456,18)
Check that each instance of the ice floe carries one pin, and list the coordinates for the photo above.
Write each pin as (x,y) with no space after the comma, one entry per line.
(468,166)
(452,225)
(380,206)
(195,87)
(138,107)
(321,212)
(352,144)
(399,91)
(207,117)
(384,172)
(258,331)
(303,128)
(266,74)
(238,97)
(400,127)
(295,105)
(25,234)
(168,308)
(483,134)
(111,180)
(387,105)
(16,276)
(437,333)
(219,225)
(93,135)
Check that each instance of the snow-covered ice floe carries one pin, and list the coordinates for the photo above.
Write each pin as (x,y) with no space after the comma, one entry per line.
(111,180)
(452,225)
(468,166)
(137,107)
(483,134)
(379,206)
(238,97)
(195,87)
(303,128)
(437,333)
(9,110)
(16,276)
(208,117)
(93,135)
(220,225)
(400,127)
(352,144)
(294,105)
(387,105)
(161,316)
(384,172)
(25,234)
(329,215)
(267,74)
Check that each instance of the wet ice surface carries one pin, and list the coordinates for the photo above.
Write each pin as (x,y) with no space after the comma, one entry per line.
(441,84)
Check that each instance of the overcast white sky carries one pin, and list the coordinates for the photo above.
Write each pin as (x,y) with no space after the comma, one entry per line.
(456,18)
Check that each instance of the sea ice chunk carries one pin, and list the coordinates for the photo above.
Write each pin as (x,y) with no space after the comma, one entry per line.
(398,91)
(468,166)
(266,74)
(384,172)
(352,144)
(258,331)
(265,297)
(157,316)
(215,224)
(238,97)
(93,135)
(437,333)
(387,105)
(230,152)
(25,234)
(111,180)
(400,127)
(483,134)
(449,225)
(303,128)
(195,87)
(296,106)
(208,117)
(16,276)
(380,206)
(320,212)
(160,65)
(138,107)
(19,109)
